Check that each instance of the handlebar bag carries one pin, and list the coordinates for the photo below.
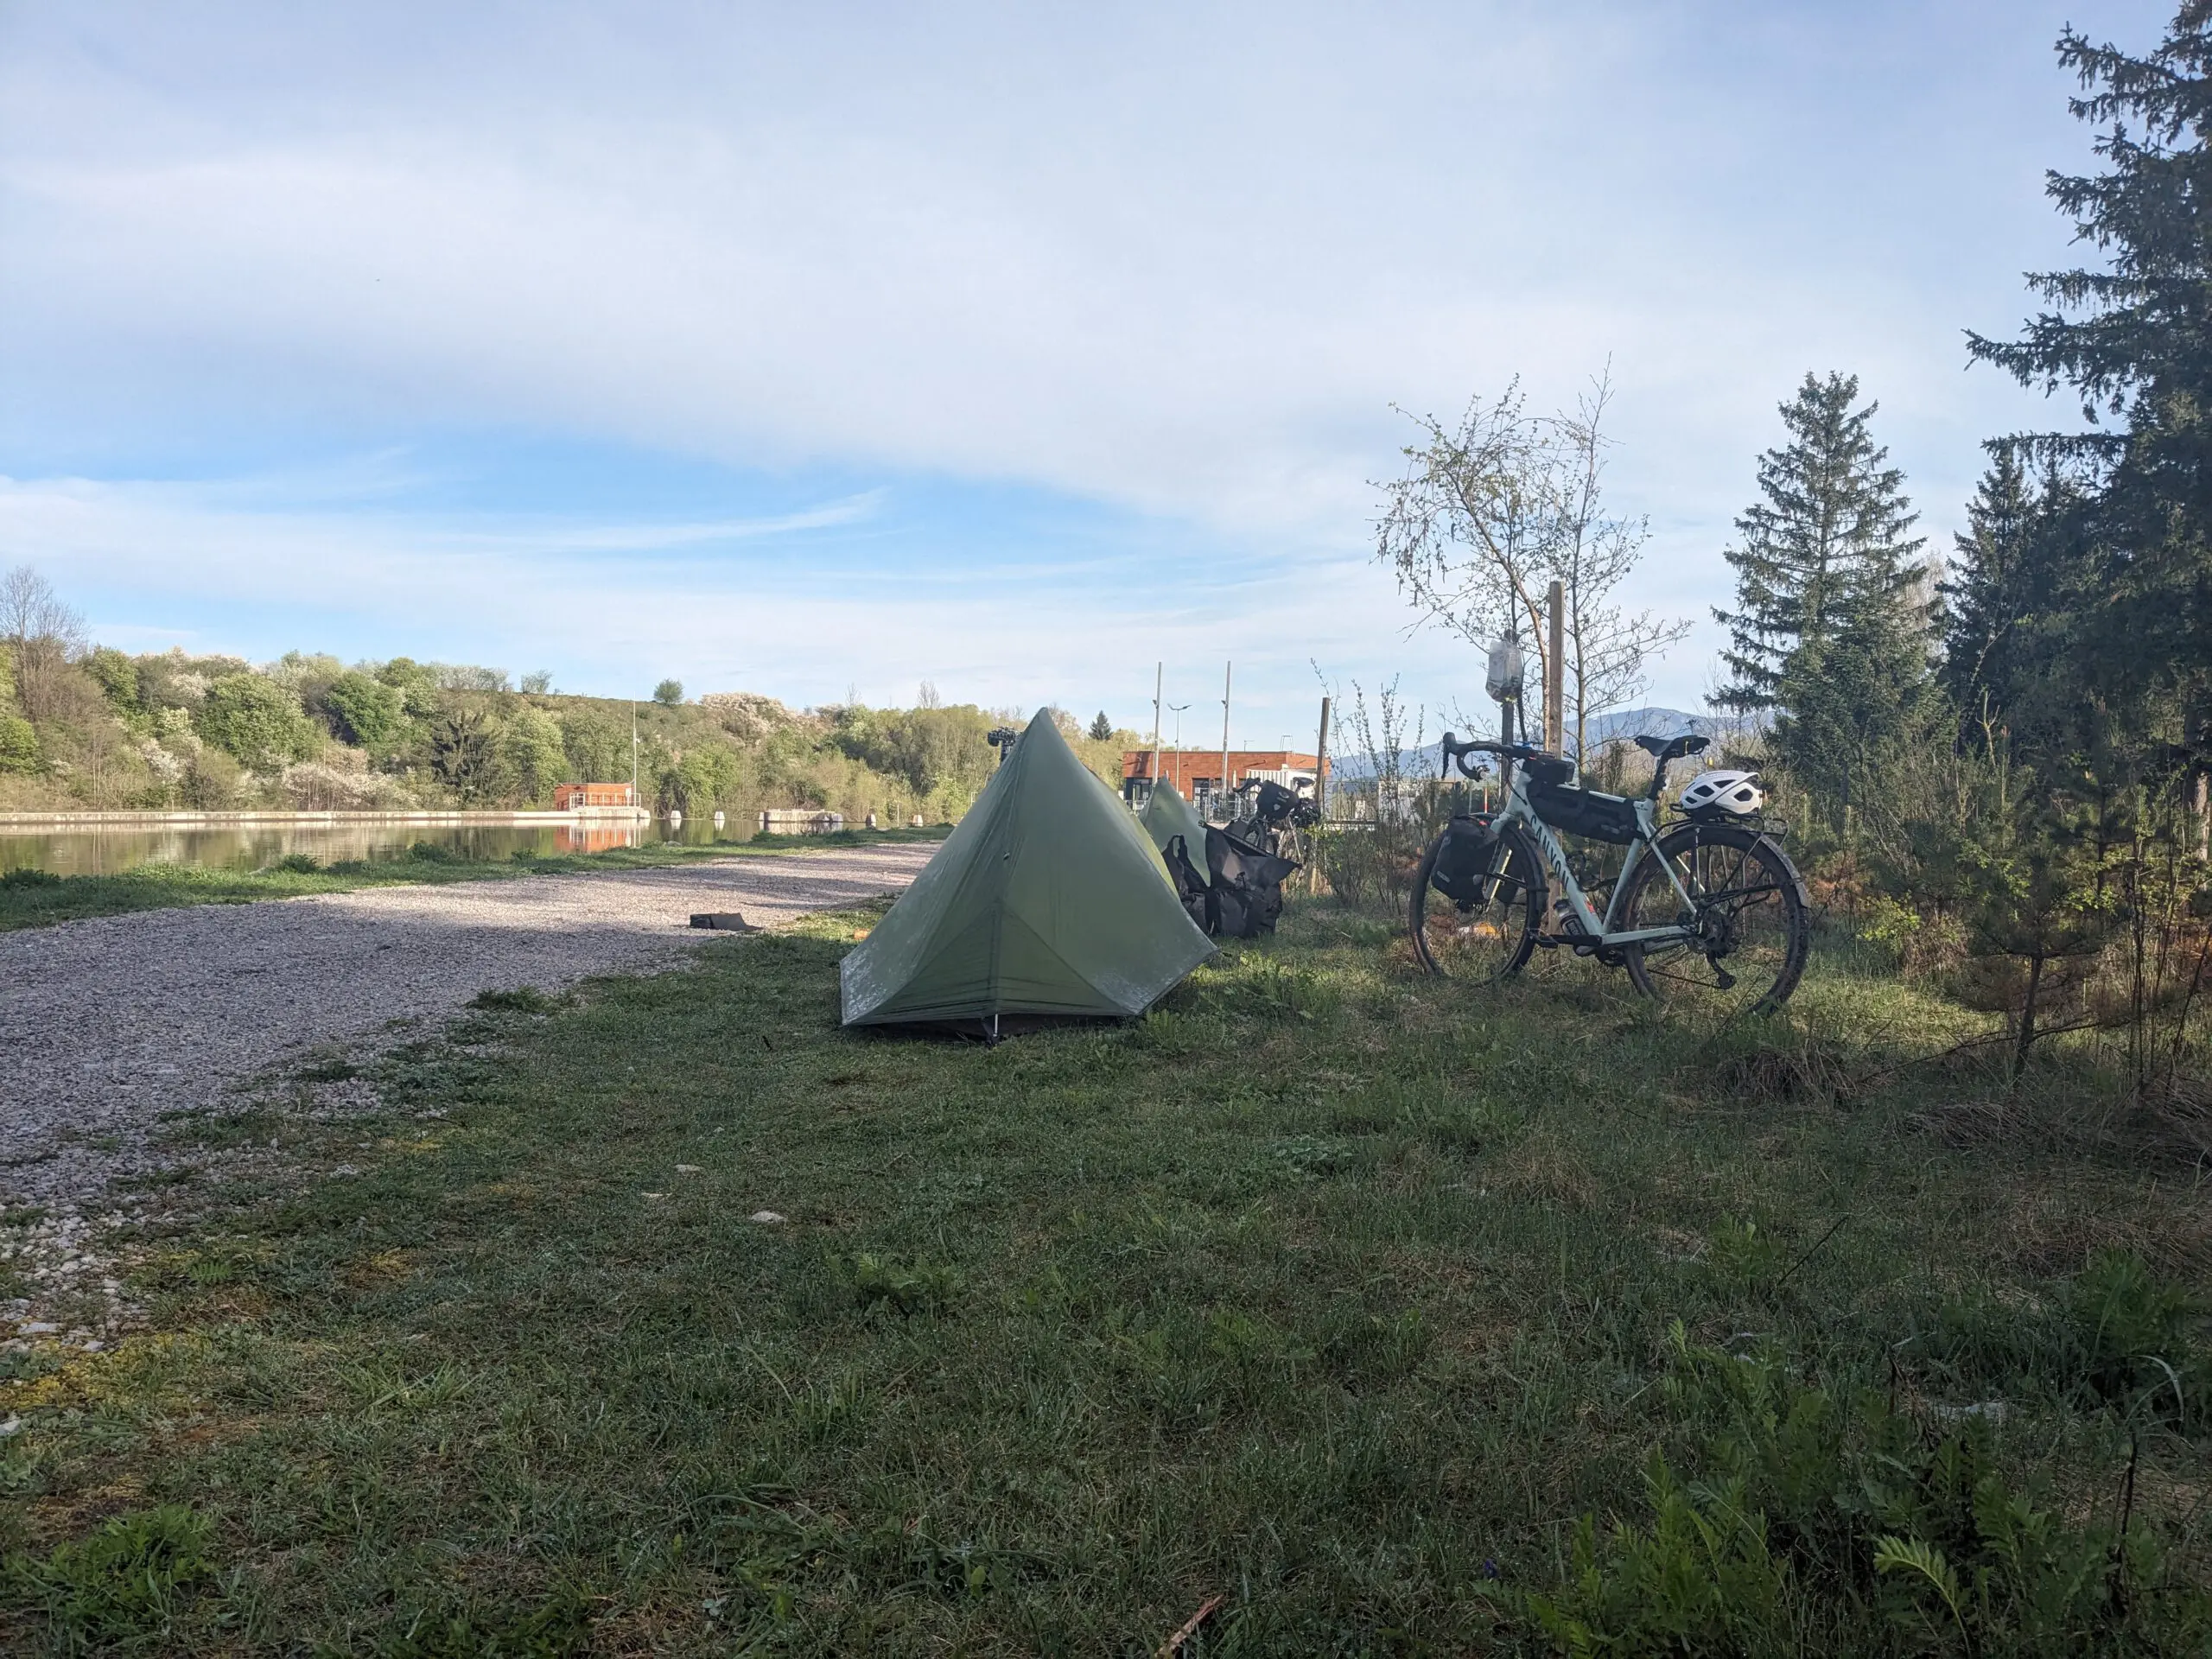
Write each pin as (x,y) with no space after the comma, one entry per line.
(1585,813)
(1464,860)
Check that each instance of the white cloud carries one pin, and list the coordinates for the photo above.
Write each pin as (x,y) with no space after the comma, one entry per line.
(777,608)
(1179,260)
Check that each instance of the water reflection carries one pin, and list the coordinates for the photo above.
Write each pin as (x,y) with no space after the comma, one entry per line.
(104,849)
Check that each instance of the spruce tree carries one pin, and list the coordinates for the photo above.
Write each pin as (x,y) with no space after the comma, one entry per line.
(2011,598)
(2131,340)
(1982,593)
(1830,634)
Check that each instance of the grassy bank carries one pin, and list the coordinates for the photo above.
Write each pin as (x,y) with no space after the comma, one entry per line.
(1331,1292)
(32,899)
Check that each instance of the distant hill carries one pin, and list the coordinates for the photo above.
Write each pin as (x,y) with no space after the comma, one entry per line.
(1622,724)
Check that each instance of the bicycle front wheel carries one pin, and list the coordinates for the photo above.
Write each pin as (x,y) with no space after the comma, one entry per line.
(1747,932)
(1490,937)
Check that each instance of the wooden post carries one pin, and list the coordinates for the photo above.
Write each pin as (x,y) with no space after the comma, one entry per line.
(1321,764)
(1555,675)
(1320,801)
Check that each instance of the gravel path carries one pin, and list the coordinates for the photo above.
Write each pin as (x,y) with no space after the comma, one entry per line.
(107,1024)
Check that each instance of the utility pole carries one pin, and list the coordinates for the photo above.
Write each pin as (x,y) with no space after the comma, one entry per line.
(1226,669)
(635,804)
(1158,681)
(1555,675)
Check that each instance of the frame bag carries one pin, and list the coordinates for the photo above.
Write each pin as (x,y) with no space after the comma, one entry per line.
(1585,813)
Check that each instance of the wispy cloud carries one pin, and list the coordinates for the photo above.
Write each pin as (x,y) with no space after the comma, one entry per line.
(1165,264)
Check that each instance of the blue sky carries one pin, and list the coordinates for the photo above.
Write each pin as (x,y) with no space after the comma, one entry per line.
(826,350)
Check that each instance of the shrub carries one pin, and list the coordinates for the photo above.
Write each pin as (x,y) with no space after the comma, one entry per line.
(18,743)
(531,753)
(256,721)
(213,780)
(365,710)
(29,878)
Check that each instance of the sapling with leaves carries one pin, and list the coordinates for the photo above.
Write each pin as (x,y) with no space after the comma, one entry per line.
(2038,917)
(1492,510)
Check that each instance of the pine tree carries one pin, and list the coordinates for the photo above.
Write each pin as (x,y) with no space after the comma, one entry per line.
(1101,727)
(1830,632)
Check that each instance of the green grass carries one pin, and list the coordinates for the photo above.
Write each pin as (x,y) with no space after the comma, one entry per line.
(32,899)
(1337,1292)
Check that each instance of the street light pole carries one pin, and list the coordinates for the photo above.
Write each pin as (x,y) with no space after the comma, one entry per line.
(1226,669)
(1158,680)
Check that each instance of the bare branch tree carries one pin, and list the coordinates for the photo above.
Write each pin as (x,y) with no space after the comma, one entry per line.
(1464,528)
(40,634)
(1607,647)
(30,610)
(1490,512)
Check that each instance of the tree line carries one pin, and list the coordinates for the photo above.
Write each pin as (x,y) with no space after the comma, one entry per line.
(1998,757)
(86,725)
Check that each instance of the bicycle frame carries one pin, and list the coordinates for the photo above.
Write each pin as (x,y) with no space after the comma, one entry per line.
(1597,931)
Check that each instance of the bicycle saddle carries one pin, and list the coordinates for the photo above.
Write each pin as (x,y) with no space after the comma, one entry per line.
(1664,748)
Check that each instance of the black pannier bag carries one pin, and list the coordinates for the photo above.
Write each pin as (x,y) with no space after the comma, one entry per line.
(1190,886)
(1464,860)
(1246,895)
(1585,813)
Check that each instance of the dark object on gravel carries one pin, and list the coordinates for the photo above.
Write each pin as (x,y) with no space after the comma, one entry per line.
(723,921)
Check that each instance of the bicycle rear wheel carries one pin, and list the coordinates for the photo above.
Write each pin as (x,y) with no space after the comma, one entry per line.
(1749,928)
(1490,939)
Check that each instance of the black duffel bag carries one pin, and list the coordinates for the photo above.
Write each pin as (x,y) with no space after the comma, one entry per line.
(1585,813)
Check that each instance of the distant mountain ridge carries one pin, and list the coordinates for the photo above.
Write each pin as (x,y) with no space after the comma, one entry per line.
(1621,724)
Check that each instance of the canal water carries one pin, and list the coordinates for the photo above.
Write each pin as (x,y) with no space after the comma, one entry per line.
(104,849)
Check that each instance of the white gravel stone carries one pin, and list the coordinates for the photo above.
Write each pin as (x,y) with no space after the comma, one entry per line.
(109,1025)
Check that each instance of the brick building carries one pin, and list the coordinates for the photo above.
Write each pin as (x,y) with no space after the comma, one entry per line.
(1197,773)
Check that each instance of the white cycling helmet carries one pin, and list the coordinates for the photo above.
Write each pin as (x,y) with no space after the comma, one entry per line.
(1723,794)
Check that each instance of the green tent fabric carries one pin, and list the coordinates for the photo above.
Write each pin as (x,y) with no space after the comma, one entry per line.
(1167,815)
(1048,899)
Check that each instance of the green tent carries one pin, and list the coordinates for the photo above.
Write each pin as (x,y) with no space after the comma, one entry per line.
(1047,901)
(1167,815)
